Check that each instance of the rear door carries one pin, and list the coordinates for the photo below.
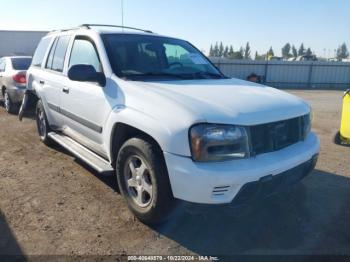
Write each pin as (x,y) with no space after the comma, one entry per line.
(53,80)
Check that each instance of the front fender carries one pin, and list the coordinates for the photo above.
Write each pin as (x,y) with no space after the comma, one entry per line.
(171,138)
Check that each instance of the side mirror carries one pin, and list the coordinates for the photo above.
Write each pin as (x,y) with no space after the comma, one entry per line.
(86,73)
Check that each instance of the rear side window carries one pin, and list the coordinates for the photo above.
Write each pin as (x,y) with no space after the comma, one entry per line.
(84,52)
(41,51)
(50,57)
(60,53)
(21,63)
(2,65)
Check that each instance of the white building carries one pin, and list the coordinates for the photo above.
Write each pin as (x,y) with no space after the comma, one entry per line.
(19,42)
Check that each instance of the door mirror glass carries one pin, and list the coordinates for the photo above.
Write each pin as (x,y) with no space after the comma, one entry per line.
(86,73)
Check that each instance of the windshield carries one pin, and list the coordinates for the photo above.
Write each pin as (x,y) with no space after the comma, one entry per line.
(140,57)
(21,63)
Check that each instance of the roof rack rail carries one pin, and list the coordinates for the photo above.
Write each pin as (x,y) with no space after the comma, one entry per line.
(88,26)
(67,29)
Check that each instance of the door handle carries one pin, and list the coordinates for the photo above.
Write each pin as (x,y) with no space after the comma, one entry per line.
(65,90)
(42,82)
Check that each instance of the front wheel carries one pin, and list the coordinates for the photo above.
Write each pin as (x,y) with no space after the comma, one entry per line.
(144,182)
(42,124)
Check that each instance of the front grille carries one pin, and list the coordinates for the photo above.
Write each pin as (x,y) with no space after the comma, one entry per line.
(274,136)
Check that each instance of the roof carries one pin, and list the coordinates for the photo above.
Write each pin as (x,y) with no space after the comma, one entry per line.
(108,29)
(103,29)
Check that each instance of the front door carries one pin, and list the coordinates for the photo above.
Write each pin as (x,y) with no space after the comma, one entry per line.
(84,104)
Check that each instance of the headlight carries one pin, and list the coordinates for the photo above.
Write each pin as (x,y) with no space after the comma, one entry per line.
(307,122)
(211,142)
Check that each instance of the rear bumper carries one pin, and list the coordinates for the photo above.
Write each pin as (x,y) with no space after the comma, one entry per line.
(220,183)
(16,94)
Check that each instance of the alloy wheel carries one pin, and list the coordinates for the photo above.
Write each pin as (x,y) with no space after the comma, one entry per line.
(41,123)
(138,181)
(7,101)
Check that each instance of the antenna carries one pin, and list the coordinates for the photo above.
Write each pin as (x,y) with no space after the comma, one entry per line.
(122,6)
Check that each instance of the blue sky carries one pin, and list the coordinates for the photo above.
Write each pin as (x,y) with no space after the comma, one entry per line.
(320,24)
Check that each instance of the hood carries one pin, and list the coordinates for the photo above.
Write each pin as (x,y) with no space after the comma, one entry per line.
(230,101)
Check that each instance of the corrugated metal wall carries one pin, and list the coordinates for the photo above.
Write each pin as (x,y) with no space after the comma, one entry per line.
(285,74)
(19,42)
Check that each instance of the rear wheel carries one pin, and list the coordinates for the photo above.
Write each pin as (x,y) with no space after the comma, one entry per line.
(42,124)
(9,105)
(144,182)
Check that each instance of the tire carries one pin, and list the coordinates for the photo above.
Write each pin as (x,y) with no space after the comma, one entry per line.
(10,107)
(144,182)
(339,141)
(337,138)
(42,124)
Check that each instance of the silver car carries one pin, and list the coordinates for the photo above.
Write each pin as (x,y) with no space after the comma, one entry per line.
(13,80)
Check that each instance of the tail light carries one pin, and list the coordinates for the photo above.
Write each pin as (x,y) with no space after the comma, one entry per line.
(20,78)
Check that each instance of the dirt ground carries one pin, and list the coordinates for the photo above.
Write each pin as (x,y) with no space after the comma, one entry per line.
(52,204)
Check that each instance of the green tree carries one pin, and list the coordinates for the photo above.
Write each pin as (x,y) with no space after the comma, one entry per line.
(247,51)
(240,53)
(221,49)
(226,51)
(211,51)
(294,51)
(342,52)
(259,57)
(270,53)
(308,52)
(301,50)
(216,50)
(286,51)
(231,52)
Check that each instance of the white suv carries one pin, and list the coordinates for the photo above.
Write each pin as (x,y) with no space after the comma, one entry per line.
(157,112)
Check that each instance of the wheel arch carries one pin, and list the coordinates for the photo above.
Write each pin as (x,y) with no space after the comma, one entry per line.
(122,132)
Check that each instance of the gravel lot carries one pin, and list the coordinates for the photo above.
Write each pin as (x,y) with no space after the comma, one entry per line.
(51,203)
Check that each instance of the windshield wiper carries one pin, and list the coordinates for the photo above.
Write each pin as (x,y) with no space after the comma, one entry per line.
(158,74)
(213,75)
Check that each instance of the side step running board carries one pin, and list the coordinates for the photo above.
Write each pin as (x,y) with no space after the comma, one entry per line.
(81,152)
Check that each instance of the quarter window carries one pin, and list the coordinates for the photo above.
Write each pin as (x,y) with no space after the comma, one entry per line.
(84,52)
(41,51)
(2,65)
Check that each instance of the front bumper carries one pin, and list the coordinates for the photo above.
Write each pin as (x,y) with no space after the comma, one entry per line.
(220,183)
(270,185)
